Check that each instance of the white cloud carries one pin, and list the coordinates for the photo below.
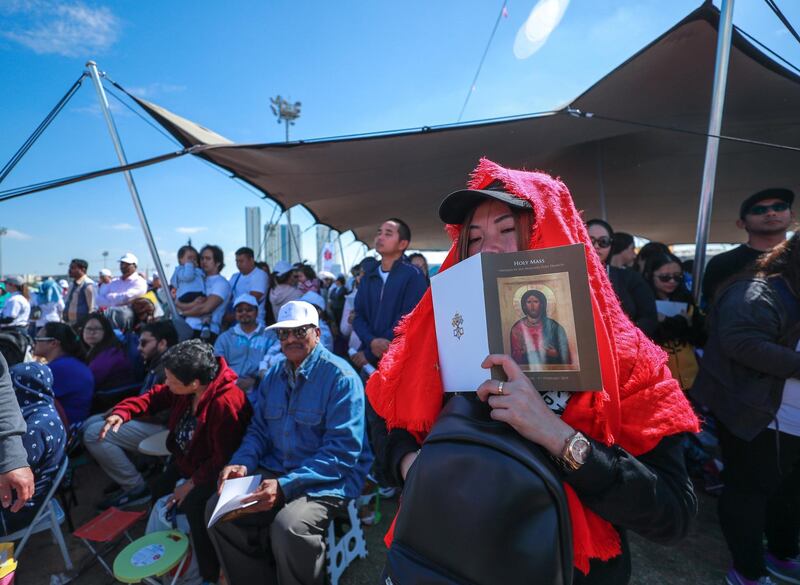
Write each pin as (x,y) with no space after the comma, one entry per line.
(70,29)
(94,109)
(121,227)
(542,21)
(17,235)
(190,230)
(155,89)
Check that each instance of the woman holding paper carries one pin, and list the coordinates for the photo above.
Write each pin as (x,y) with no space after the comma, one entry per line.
(620,476)
(683,329)
(208,415)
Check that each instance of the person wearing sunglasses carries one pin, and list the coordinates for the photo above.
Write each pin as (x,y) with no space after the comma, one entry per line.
(766,217)
(73,382)
(307,440)
(678,334)
(635,296)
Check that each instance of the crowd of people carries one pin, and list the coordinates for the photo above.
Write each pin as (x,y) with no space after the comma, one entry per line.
(270,379)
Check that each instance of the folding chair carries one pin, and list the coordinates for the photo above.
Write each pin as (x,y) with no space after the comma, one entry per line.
(349,546)
(105,530)
(50,516)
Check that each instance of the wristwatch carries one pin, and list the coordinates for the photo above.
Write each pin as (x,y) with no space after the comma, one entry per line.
(576,452)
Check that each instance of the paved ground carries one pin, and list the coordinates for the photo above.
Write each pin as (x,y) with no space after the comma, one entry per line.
(699,559)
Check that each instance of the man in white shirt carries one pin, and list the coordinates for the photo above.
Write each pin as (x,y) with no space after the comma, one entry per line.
(122,290)
(250,280)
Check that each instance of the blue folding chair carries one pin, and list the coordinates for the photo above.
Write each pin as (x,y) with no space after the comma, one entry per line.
(49,517)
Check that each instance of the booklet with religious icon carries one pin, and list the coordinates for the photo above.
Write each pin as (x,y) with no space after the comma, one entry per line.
(533,306)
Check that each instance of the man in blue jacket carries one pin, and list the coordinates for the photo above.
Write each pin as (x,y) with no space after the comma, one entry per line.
(307,440)
(387,292)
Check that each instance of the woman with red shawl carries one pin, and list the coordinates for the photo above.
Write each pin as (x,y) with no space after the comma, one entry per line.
(620,445)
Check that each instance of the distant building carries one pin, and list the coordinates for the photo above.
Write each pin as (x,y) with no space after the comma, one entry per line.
(279,244)
(252,224)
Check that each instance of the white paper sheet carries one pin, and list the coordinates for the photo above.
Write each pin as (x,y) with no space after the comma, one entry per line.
(233,492)
(459,312)
(671,308)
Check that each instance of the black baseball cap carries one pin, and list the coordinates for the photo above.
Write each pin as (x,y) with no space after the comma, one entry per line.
(786,195)
(455,207)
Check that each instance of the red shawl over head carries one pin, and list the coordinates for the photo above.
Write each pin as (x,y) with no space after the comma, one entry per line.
(639,403)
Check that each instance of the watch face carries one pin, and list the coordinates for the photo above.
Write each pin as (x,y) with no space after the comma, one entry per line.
(580,450)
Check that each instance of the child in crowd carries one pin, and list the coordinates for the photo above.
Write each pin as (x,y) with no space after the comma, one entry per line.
(307,280)
(188,280)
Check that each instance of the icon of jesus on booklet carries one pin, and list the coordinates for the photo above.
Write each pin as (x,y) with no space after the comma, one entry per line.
(536,338)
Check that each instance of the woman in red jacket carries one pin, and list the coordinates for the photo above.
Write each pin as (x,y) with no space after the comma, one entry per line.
(208,415)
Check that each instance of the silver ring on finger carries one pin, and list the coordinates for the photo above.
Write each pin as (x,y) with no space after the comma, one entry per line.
(500,387)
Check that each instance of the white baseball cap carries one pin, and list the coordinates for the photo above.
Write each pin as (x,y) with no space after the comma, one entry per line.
(323,274)
(296,314)
(245,298)
(282,267)
(105,272)
(129,258)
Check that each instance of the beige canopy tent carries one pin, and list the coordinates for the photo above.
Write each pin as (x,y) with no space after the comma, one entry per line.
(644,179)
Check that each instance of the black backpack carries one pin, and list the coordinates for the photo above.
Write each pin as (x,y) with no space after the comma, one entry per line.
(481,506)
(14,345)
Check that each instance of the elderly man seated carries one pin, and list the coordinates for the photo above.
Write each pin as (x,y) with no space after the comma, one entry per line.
(307,439)
(244,344)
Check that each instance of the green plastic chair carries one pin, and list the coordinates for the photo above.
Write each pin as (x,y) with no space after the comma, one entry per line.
(152,555)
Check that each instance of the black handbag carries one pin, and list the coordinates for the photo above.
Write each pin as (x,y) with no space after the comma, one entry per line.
(481,506)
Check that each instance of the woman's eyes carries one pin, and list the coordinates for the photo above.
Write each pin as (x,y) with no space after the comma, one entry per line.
(473,241)
(507,230)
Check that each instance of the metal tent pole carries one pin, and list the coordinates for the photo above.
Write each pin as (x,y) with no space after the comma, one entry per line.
(137,203)
(292,239)
(345,270)
(724,35)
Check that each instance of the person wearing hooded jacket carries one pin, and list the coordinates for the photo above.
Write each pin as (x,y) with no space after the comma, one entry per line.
(620,446)
(45,439)
(208,415)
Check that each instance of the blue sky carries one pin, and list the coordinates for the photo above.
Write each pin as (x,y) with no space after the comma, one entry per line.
(356,67)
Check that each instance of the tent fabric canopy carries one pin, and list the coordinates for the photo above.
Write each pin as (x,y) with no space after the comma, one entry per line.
(648,180)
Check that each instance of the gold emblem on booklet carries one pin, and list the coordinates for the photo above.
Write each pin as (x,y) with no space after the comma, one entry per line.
(458,326)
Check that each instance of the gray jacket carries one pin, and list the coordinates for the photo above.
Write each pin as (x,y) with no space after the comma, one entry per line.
(749,355)
(12,425)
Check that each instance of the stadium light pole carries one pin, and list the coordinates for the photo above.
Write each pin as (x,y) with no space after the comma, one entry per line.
(287,114)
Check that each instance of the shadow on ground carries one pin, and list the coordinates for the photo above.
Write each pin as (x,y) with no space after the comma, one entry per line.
(700,558)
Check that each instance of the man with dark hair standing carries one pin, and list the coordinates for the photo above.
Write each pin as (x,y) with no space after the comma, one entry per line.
(82,292)
(765,216)
(110,453)
(387,292)
(250,280)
